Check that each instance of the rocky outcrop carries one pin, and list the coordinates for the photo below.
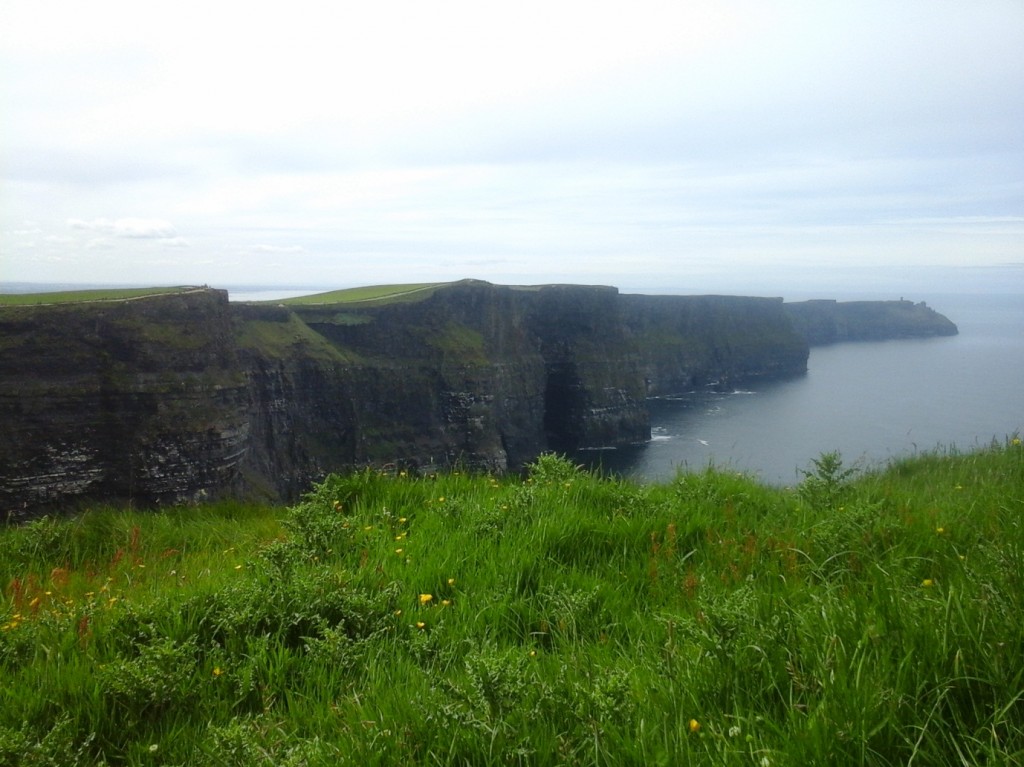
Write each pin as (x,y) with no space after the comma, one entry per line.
(186,396)
(826,322)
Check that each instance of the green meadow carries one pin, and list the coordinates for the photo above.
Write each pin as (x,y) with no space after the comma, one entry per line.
(78,296)
(558,618)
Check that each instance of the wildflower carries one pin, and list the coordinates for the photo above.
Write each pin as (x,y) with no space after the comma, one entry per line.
(451,581)
(400,536)
(927,583)
(399,551)
(1015,442)
(403,520)
(217,671)
(734,731)
(446,602)
(533,653)
(154,748)
(694,725)
(441,499)
(940,530)
(238,567)
(426,598)
(421,625)
(398,612)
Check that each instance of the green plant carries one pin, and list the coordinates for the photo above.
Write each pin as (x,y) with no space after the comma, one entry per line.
(825,485)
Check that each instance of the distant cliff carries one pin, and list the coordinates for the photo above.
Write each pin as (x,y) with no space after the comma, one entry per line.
(187,396)
(826,322)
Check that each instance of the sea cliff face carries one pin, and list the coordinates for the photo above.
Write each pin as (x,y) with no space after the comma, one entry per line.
(826,322)
(119,399)
(186,396)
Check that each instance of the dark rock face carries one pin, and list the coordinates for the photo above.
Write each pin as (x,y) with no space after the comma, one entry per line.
(186,396)
(686,343)
(138,399)
(826,322)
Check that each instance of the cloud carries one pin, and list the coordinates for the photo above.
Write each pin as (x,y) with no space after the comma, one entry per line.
(134,228)
(279,249)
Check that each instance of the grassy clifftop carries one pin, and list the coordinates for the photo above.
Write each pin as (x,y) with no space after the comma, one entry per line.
(79,296)
(557,619)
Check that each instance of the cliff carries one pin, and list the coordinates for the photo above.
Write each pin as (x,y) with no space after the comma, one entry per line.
(187,396)
(120,399)
(826,322)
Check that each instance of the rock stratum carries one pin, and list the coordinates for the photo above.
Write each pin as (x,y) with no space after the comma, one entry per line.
(186,396)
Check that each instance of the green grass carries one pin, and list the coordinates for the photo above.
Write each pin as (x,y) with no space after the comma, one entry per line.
(292,337)
(77,296)
(560,618)
(373,293)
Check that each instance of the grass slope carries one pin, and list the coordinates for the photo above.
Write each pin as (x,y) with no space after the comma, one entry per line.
(374,293)
(77,296)
(557,619)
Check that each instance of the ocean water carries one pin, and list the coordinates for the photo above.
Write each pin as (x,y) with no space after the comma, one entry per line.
(871,401)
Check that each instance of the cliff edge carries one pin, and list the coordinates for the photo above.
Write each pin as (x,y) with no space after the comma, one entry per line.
(185,396)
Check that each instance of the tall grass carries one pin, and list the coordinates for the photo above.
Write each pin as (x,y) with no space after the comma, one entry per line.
(562,618)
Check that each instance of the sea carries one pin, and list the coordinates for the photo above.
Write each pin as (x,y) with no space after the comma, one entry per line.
(872,402)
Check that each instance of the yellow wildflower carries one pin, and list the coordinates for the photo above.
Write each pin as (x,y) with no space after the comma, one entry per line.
(399,551)
(217,671)
(694,725)
(1015,442)
(927,583)
(451,581)
(940,530)
(426,598)
(446,602)
(421,625)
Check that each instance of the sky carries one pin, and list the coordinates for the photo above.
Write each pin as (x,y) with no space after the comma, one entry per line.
(681,146)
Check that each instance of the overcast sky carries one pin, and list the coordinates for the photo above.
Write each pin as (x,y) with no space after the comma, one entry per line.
(681,145)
